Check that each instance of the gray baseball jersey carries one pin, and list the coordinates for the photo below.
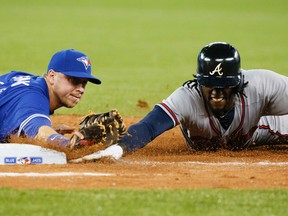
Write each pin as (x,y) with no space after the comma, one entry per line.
(260,114)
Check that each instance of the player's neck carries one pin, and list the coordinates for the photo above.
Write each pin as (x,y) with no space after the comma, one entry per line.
(54,104)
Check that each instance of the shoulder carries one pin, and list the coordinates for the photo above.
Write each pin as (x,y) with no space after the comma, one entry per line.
(185,92)
(13,76)
(260,74)
(264,83)
(17,73)
(23,84)
(24,77)
(262,77)
(184,98)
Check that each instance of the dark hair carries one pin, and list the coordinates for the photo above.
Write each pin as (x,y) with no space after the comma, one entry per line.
(194,84)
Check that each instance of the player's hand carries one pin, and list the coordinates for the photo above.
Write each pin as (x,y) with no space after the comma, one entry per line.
(75,139)
(114,152)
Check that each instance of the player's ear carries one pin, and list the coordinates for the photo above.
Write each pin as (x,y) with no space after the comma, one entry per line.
(51,76)
(51,72)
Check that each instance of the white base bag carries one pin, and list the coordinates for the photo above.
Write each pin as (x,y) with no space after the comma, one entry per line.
(15,153)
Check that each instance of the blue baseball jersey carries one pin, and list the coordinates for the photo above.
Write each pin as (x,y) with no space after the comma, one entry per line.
(24,104)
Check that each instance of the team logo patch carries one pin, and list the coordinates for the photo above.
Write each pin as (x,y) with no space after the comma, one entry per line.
(217,69)
(85,60)
(23,160)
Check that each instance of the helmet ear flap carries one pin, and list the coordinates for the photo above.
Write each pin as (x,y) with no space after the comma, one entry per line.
(239,87)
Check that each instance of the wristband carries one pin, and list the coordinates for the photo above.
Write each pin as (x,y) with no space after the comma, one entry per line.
(59,139)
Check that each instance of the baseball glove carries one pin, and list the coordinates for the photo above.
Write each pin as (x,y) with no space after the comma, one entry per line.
(102,128)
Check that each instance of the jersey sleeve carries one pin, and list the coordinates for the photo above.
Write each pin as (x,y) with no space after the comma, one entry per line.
(183,105)
(270,90)
(31,125)
(140,134)
(277,94)
(25,105)
(30,113)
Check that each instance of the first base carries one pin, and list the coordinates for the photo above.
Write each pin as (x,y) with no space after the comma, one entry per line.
(15,153)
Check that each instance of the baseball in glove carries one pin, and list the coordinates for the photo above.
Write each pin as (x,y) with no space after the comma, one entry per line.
(102,128)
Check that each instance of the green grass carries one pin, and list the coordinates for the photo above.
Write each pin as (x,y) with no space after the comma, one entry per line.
(141,50)
(218,202)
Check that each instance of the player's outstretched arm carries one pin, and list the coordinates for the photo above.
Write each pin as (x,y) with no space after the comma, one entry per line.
(138,136)
(49,134)
(44,132)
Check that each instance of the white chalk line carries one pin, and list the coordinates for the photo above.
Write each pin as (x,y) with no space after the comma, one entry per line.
(53,174)
(71,174)
(236,163)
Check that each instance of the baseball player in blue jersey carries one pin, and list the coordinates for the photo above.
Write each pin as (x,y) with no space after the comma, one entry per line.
(27,101)
(224,106)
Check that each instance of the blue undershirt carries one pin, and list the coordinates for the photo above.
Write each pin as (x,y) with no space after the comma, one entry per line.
(140,134)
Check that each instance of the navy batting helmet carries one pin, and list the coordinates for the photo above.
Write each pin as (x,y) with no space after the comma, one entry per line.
(219,66)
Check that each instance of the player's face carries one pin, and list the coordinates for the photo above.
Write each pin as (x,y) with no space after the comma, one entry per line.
(219,100)
(69,90)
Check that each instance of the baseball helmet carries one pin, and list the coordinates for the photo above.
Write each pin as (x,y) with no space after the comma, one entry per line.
(219,66)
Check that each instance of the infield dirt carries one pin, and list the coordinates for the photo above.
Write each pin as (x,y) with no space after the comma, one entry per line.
(165,163)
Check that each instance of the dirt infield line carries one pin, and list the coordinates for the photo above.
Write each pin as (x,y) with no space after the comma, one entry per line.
(101,174)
